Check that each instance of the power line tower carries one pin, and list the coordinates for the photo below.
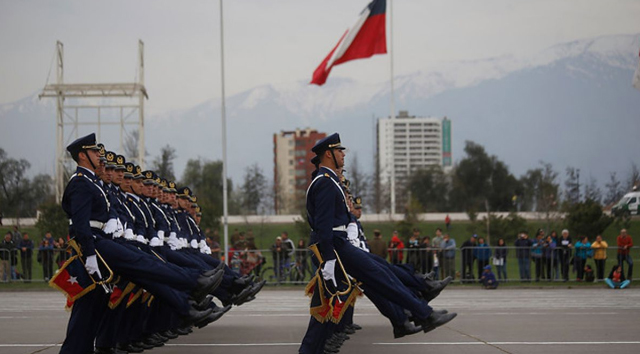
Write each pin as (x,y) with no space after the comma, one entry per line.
(101,101)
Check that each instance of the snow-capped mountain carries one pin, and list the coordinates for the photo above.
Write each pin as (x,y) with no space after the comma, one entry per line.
(571,104)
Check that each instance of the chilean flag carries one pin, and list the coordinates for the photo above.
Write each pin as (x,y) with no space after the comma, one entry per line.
(366,38)
(72,279)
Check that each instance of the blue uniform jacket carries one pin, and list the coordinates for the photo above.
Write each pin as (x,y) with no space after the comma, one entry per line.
(83,201)
(326,208)
(140,224)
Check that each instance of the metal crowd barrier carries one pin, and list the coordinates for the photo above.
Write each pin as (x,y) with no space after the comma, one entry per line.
(297,269)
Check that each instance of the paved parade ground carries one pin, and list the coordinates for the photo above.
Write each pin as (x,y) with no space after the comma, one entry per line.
(551,320)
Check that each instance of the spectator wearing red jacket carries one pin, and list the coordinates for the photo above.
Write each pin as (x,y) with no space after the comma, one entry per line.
(396,247)
(624,246)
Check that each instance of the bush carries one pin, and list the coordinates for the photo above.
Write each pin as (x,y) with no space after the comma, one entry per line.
(587,219)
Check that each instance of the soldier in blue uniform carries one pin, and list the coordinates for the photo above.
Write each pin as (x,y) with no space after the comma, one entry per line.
(329,217)
(88,209)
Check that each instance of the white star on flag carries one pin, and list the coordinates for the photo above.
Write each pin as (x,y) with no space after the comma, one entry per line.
(73,280)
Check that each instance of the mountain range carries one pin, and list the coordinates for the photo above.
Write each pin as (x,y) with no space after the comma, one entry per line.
(570,105)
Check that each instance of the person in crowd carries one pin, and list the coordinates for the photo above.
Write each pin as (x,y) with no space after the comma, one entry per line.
(436,245)
(599,247)
(565,247)
(488,279)
(426,256)
(500,259)
(583,251)
(48,237)
(588,273)
(60,249)
(45,257)
(214,245)
(377,245)
(26,257)
(482,253)
(449,257)
(523,254)
(7,247)
(616,278)
(468,259)
(413,251)
(302,255)
(16,235)
(536,254)
(291,247)
(548,256)
(556,255)
(279,252)
(447,222)
(396,249)
(624,247)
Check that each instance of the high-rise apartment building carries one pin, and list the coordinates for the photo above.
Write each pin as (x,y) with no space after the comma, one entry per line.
(292,168)
(408,143)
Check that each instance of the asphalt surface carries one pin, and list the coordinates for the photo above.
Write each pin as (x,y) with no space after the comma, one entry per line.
(489,321)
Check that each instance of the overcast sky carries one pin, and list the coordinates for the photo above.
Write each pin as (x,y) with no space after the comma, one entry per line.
(271,42)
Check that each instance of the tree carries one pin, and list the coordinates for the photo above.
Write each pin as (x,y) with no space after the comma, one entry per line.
(380,194)
(480,180)
(205,179)
(502,227)
(359,181)
(430,187)
(614,190)
(253,190)
(572,185)
(20,196)
(634,178)
(587,219)
(52,218)
(163,164)
(131,146)
(592,191)
(539,188)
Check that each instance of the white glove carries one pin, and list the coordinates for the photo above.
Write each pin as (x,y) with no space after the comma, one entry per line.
(128,234)
(329,271)
(111,226)
(194,243)
(91,265)
(161,235)
(141,239)
(119,229)
(203,247)
(352,234)
(173,242)
(155,242)
(206,250)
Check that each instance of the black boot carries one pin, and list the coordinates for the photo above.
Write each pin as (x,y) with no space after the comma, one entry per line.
(436,320)
(405,329)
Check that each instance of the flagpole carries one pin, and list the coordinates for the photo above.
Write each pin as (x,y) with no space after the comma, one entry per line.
(393,114)
(225,210)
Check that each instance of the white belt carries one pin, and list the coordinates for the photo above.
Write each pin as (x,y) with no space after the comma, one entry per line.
(340,228)
(93,223)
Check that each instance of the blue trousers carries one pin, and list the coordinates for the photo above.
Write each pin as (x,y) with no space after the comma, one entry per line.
(84,322)
(524,264)
(374,276)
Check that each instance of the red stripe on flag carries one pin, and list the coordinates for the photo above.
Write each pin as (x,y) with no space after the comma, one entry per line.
(369,40)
